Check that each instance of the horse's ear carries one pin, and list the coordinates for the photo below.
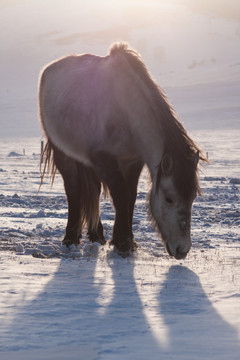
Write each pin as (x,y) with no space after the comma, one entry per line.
(167,165)
(196,158)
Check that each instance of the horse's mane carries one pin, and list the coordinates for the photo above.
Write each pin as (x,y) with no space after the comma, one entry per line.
(177,142)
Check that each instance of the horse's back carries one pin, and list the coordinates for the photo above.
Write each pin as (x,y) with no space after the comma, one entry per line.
(87,102)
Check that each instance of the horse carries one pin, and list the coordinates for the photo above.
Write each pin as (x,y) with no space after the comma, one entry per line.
(104,119)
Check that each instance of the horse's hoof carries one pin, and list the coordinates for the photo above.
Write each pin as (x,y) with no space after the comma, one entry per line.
(125,248)
(96,236)
(93,237)
(68,242)
(100,241)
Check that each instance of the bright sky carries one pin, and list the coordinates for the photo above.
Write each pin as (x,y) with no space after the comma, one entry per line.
(181,41)
(34,32)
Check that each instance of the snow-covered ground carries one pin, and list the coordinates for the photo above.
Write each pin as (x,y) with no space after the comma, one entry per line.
(88,302)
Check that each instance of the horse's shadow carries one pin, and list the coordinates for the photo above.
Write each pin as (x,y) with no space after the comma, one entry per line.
(195,328)
(99,306)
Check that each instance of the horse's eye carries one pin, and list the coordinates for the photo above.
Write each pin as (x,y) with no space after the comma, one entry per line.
(169,200)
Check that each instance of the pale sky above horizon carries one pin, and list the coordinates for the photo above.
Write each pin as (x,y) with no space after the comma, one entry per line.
(34,32)
(181,41)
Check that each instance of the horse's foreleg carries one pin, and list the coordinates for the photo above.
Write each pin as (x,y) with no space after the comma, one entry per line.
(122,232)
(132,176)
(109,171)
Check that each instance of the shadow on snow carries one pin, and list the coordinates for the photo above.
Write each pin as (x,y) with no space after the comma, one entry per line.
(97,303)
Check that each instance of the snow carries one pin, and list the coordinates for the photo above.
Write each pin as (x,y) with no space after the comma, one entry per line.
(87,302)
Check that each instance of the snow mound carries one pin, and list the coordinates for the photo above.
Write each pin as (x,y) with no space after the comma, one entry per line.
(14,154)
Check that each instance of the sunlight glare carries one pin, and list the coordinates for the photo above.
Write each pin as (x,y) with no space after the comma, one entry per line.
(103,280)
(148,290)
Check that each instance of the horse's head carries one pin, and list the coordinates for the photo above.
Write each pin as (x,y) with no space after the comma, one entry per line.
(174,188)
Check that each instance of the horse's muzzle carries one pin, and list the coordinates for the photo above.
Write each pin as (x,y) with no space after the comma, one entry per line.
(179,254)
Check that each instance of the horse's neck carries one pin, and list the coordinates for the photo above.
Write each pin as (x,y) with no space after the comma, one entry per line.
(152,149)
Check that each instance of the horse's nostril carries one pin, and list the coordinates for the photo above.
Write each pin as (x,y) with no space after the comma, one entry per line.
(180,253)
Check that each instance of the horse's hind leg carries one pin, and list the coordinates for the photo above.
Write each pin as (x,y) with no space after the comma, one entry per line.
(74,225)
(96,235)
(69,171)
(83,191)
(95,231)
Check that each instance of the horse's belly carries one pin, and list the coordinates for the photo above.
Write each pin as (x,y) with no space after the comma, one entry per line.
(80,139)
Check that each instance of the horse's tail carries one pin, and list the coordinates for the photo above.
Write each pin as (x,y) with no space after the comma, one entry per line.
(47,163)
(89,186)
(90,189)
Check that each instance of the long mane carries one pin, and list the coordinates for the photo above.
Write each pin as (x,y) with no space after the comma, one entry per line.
(177,142)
